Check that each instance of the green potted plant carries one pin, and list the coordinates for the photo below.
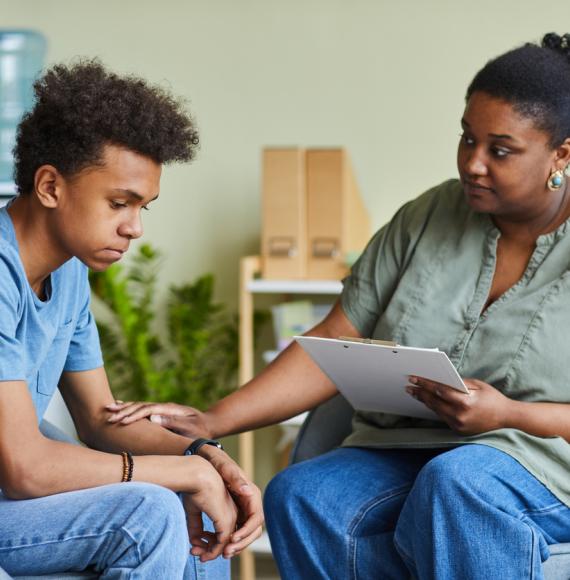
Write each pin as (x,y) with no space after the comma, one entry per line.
(194,361)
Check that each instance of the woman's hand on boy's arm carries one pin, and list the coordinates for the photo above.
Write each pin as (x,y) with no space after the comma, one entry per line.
(291,384)
(486,409)
(177,418)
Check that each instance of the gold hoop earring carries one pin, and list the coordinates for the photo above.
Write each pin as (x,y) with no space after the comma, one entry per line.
(556,180)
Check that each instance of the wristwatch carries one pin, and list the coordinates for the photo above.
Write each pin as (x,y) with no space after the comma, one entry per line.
(195,446)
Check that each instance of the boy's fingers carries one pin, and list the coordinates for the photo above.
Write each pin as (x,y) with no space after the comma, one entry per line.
(235,548)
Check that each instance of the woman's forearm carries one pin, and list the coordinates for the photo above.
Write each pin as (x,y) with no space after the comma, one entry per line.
(291,384)
(540,419)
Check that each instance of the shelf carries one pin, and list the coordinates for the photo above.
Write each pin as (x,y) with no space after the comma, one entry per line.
(261,286)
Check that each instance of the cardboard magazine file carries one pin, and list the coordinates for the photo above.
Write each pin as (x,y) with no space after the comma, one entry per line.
(337,221)
(284,214)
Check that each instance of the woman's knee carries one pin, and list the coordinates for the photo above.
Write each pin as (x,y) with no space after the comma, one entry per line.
(465,468)
(292,492)
(280,493)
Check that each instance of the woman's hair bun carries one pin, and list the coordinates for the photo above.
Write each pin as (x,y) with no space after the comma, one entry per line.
(560,44)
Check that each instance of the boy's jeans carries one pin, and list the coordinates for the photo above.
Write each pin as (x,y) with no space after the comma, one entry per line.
(125,530)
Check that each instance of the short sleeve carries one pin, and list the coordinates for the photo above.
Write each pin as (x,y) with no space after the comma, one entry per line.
(12,364)
(371,282)
(84,349)
(369,287)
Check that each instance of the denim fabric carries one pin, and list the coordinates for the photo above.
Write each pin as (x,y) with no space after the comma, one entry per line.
(473,512)
(134,530)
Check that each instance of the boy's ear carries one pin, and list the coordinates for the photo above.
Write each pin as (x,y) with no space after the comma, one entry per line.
(47,185)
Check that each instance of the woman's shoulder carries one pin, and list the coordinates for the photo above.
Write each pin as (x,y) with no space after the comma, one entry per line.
(440,204)
(445,197)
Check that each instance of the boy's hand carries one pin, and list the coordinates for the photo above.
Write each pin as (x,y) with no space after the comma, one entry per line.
(192,423)
(207,494)
(245,494)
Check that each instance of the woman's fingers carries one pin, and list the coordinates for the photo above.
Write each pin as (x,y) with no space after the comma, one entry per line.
(131,412)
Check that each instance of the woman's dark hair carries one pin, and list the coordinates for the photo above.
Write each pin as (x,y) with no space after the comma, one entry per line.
(535,80)
(83,107)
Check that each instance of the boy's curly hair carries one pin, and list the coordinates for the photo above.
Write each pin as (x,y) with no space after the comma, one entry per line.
(83,107)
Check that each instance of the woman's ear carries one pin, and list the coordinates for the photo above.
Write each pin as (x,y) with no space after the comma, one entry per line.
(562,156)
(47,183)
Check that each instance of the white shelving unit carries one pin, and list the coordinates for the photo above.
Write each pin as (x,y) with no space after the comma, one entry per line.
(323,287)
(250,285)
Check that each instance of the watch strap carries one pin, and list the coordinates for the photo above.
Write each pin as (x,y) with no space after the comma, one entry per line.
(197,444)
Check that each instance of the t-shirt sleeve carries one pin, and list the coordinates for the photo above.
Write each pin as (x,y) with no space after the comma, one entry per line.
(84,349)
(11,351)
(373,279)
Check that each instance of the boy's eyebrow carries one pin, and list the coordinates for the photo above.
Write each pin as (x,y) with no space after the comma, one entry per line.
(134,194)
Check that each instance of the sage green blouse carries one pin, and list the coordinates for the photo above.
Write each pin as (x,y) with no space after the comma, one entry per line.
(423,281)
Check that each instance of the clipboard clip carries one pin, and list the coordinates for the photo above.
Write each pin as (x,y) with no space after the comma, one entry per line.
(368,341)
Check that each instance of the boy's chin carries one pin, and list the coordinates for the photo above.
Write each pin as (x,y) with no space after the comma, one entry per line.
(97,266)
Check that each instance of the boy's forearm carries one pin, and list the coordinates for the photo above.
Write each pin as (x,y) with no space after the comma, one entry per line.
(72,467)
(140,438)
(86,395)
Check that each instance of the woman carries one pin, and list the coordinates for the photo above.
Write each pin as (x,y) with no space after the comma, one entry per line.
(480,268)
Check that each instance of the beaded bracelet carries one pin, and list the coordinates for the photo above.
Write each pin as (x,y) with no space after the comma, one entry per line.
(128,466)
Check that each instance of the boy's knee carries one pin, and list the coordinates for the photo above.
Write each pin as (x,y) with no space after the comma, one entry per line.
(154,506)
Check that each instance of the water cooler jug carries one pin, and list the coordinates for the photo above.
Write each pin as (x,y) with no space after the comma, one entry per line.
(22,55)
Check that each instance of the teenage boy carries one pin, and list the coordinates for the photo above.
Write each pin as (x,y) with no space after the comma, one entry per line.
(88,160)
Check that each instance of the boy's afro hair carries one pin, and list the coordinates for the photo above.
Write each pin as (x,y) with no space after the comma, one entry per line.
(83,107)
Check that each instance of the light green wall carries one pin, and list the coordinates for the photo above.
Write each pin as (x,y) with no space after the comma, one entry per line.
(385,78)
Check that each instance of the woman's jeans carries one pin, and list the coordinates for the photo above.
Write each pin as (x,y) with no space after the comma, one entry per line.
(125,530)
(471,513)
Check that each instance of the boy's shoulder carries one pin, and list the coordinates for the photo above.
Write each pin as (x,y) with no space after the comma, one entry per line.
(11,269)
(12,280)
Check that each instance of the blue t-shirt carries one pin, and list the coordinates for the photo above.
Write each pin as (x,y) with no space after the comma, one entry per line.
(40,339)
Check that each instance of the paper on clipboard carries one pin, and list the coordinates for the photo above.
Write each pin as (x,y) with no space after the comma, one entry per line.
(373,377)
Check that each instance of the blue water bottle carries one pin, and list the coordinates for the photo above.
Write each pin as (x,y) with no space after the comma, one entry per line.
(22,54)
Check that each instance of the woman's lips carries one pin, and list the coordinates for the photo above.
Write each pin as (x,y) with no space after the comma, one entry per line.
(471,188)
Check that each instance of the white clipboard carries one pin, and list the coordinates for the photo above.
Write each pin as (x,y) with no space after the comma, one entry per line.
(373,377)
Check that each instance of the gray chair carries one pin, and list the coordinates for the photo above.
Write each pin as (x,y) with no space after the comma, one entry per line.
(326,427)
